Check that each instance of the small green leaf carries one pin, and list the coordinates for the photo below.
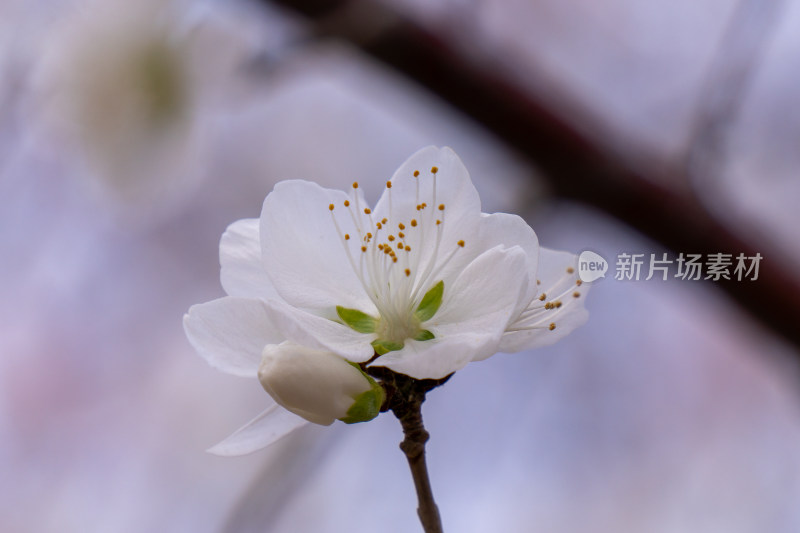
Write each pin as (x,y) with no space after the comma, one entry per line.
(382,347)
(361,322)
(430,302)
(424,335)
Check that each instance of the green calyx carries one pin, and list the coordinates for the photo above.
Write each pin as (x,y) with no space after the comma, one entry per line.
(382,347)
(430,302)
(359,321)
(424,335)
(367,405)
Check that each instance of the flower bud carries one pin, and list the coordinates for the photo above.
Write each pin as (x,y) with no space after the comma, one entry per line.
(318,385)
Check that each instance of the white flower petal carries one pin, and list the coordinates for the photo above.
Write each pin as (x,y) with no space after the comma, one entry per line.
(453,190)
(510,230)
(531,329)
(272,424)
(434,359)
(483,298)
(473,316)
(304,328)
(304,254)
(230,333)
(243,272)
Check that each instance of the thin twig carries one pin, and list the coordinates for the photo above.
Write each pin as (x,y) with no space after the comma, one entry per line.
(414,447)
(404,397)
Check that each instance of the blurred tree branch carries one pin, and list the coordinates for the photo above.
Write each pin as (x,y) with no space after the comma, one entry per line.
(576,166)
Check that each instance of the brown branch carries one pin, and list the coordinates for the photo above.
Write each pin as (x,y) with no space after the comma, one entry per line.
(578,167)
(413,446)
(404,397)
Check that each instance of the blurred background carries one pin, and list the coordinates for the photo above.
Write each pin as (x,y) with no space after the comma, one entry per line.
(133,133)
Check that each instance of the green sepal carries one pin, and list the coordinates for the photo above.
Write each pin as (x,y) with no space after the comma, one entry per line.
(368,404)
(430,302)
(382,347)
(424,335)
(361,322)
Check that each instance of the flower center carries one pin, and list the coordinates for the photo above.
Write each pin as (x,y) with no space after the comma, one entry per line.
(398,258)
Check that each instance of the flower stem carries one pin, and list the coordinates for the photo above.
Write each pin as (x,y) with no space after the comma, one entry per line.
(414,447)
(404,397)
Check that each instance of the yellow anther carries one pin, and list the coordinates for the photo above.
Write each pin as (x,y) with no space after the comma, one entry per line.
(394,259)
(330,207)
(401,226)
(552,326)
(538,282)
(367,210)
(424,205)
(548,305)
(558,304)
(570,270)
(363,248)
(384,221)
(542,297)
(441,207)
(438,222)
(414,222)
(378,225)
(579,283)
(369,235)
(416,173)
(347,236)
(355,185)
(576,294)
(419,207)
(408,272)
(401,235)
(391,238)
(347,203)
(460,243)
(434,170)
(380,247)
(388,184)
(408,248)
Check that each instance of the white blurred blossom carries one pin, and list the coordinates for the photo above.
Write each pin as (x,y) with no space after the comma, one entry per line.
(130,86)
